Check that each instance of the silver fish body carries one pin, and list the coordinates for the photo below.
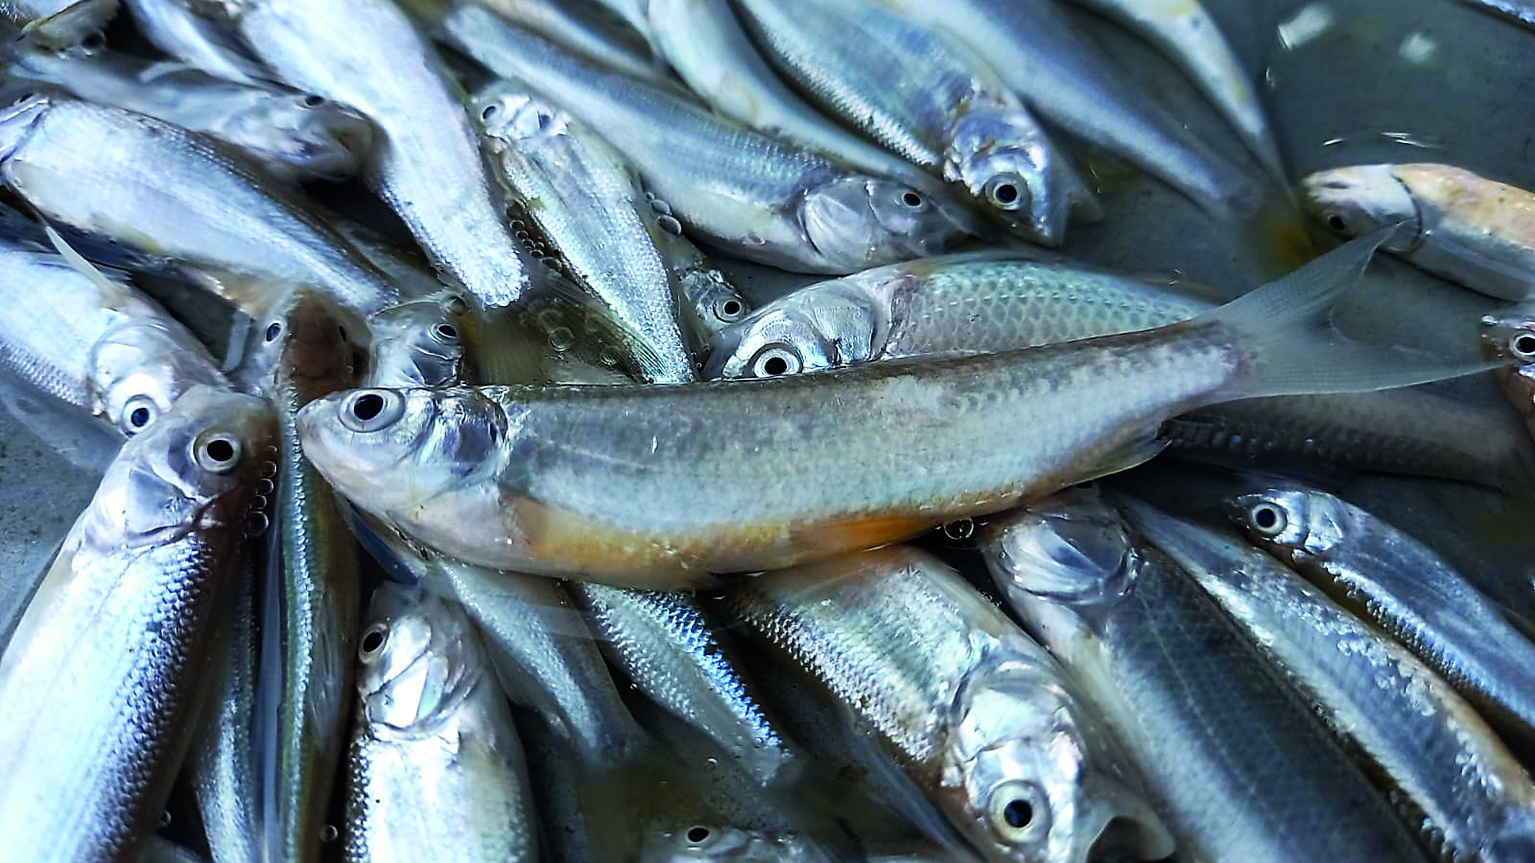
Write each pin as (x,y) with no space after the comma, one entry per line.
(106,669)
(294,136)
(169,26)
(1469,795)
(245,228)
(1187,694)
(968,705)
(588,204)
(96,343)
(435,765)
(58,24)
(758,198)
(1399,584)
(922,95)
(578,29)
(419,344)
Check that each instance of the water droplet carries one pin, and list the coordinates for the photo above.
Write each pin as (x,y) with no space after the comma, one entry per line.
(561,338)
(165,820)
(328,833)
(670,225)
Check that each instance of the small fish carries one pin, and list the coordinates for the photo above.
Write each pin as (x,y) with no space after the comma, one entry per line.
(419,344)
(1396,582)
(659,486)
(435,766)
(171,27)
(751,195)
(960,698)
(1466,228)
(105,671)
(58,24)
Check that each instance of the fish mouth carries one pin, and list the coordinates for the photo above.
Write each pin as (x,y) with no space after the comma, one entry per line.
(1119,826)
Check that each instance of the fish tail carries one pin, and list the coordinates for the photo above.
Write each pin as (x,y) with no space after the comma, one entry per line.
(1290,347)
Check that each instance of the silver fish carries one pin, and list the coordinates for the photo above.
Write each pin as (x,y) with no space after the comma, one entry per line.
(659,486)
(1458,783)
(968,705)
(294,136)
(711,301)
(750,194)
(578,27)
(55,24)
(419,344)
(922,95)
(1399,584)
(433,738)
(587,203)
(169,26)
(96,343)
(712,842)
(1466,228)
(244,227)
(427,165)
(1518,11)
(1242,770)
(108,665)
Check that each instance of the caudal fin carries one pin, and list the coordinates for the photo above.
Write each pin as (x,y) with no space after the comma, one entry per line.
(1291,348)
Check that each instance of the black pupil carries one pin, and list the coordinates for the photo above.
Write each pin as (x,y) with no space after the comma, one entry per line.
(1525,344)
(490,111)
(732,307)
(372,641)
(314,101)
(220,450)
(272,331)
(1007,193)
(912,199)
(367,407)
(1018,813)
(1335,222)
(775,365)
(139,418)
(447,331)
(698,834)
(1265,517)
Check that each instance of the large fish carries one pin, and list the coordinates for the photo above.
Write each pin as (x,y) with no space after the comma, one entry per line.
(107,668)
(659,486)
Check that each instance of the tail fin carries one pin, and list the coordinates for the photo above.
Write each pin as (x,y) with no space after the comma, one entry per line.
(1291,349)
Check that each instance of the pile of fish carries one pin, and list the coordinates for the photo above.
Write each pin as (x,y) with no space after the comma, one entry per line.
(485,520)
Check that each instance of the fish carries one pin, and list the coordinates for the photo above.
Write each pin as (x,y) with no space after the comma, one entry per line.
(1065,78)
(749,194)
(254,239)
(608,483)
(435,765)
(171,27)
(367,54)
(931,100)
(1400,585)
(58,24)
(580,28)
(419,344)
(711,301)
(1469,229)
(1518,11)
(312,599)
(711,51)
(971,708)
(589,205)
(726,843)
(94,341)
(1458,784)
(669,649)
(107,667)
(1188,35)
(294,136)
(1186,693)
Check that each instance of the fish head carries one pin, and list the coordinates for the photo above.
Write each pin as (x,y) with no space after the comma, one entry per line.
(1012,170)
(511,116)
(306,339)
(1359,199)
(1023,779)
(418,344)
(1071,548)
(824,326)
(716,303)
(1510,334)
(309,134)
(1297,523)
(714,842)
(855,222)
(23,107)
(139,369)
(417,660)
(198,466)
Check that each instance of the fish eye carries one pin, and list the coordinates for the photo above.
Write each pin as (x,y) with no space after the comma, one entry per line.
(913,200)
(273,331)
(1018,811)
(1522,345)
(138,413)
(217,451)
(490,111)
(313,100)
(700,837)
(1267,519)
(729,309)
(445,333)
(1336,222)
(372,642)
(776,359)
(371,410)
(1006,192)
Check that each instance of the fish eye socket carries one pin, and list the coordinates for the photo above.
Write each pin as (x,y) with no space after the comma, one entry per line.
(1336,222)
(913,200)
(273,331)
(775,360)
(1267,519)
(1018,811)
(1523,346)
(445,333)
(313,100)
(371,410)
(700,836)
(1006,192)
(372,641)
(138,413)
(217,452)
(489,112)
(729,309)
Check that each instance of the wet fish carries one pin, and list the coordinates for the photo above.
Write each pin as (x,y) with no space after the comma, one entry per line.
(1457,783)
(427,165)
(108,665)
(1519,11)
(585,200)
(1189,36)
(1241,768)
(435,765)
(968,705)
(96,343)
(924,96)
(1399,584)
(733,844)
(419,344)
(711,302)
(255,240)
(169,26)
(56,24)
(579,28)
(750,194)
(1464,227)
(658,486)
(294,136)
